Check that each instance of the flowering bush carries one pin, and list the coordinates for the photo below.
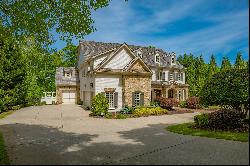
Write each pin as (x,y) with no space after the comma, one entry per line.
(193,102)
(167,103)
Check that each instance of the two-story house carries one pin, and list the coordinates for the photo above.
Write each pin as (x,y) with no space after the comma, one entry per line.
(126,74)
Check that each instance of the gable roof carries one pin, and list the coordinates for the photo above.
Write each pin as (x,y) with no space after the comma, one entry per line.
(108,58)
(137,59)
(92,48)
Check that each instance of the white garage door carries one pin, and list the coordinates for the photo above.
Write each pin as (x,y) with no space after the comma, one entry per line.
(69,96)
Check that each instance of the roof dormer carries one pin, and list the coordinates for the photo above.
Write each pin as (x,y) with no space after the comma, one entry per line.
(157,58)
(173,60)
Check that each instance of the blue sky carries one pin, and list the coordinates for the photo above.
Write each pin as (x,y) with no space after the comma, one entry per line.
(219,27)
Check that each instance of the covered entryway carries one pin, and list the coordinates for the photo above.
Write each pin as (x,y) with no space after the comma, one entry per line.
(69,96)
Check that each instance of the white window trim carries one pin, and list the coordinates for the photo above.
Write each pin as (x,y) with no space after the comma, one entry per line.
(136,100)
(67,74)
(179,77)
(109,97)
(159,75)
(157,55)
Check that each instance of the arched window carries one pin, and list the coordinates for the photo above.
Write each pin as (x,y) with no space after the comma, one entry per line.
(157,58)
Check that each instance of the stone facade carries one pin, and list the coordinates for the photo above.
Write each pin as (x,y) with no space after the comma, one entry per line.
(132,83)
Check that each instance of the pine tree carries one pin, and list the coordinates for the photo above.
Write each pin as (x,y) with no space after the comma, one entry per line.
(225,64)
(239,62)
(212,67)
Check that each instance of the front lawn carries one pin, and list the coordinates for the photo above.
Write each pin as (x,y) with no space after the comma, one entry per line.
(4,159)
(187,129)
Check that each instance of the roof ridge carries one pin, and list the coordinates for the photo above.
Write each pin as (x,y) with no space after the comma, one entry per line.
(130,45)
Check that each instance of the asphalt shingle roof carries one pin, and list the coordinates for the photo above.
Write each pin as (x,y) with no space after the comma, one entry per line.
(91,48)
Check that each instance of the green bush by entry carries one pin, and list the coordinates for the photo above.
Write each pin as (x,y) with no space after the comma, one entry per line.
(99,105)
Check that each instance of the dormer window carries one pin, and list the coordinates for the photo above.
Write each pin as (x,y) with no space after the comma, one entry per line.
(157,58)
(172,59)
(67,74)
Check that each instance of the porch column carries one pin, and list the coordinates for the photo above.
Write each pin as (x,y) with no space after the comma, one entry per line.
(186,93)
(167,92)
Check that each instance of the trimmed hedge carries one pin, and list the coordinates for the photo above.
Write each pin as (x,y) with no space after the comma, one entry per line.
(223,119)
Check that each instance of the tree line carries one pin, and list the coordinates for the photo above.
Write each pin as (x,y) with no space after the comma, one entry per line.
(27,70)
(198,72)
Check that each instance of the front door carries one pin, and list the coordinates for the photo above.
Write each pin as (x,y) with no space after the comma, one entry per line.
(157,93)
(170,93)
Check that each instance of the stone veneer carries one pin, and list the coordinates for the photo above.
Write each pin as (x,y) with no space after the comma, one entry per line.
(132,83)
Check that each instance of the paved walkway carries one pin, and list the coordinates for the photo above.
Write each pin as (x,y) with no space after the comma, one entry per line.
(64,134)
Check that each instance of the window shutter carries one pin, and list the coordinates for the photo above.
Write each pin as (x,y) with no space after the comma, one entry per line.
(133,98)
(163,76)
(116,100)
(142,99)
(181,76)
(169,75)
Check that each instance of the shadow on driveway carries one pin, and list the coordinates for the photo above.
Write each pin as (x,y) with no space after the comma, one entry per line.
(36,144)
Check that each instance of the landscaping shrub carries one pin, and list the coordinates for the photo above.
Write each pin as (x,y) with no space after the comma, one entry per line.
(121,116)
(201,121)
(167,103)
(99,105)
(154,104)
(226,119)
(127,110)
(147,111)
(183,104)
(17,107)
(193,102)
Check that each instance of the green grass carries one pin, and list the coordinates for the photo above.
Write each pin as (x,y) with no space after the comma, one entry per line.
(4,159)
(186,129)
(4,114)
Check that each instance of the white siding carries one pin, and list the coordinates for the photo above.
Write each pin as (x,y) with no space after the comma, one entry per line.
(110,81)
(99,60)
(153,75)
(166,75)
(120,60)
(86,89)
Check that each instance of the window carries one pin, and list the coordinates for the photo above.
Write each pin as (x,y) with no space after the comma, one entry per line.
(110,97)
(179,76)
(171,76)
(91,85)
(179,95)
(172,59)
(159,75)
(83,73)
(67,74)
(157,58)
(137,100)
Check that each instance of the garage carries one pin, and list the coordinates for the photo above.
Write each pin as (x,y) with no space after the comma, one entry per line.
(69,96)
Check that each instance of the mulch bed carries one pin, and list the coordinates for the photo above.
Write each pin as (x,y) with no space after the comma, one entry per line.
(180,111)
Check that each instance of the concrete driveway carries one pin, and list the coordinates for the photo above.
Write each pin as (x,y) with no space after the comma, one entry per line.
(64,134)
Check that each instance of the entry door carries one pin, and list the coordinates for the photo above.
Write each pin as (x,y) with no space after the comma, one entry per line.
(69,97)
